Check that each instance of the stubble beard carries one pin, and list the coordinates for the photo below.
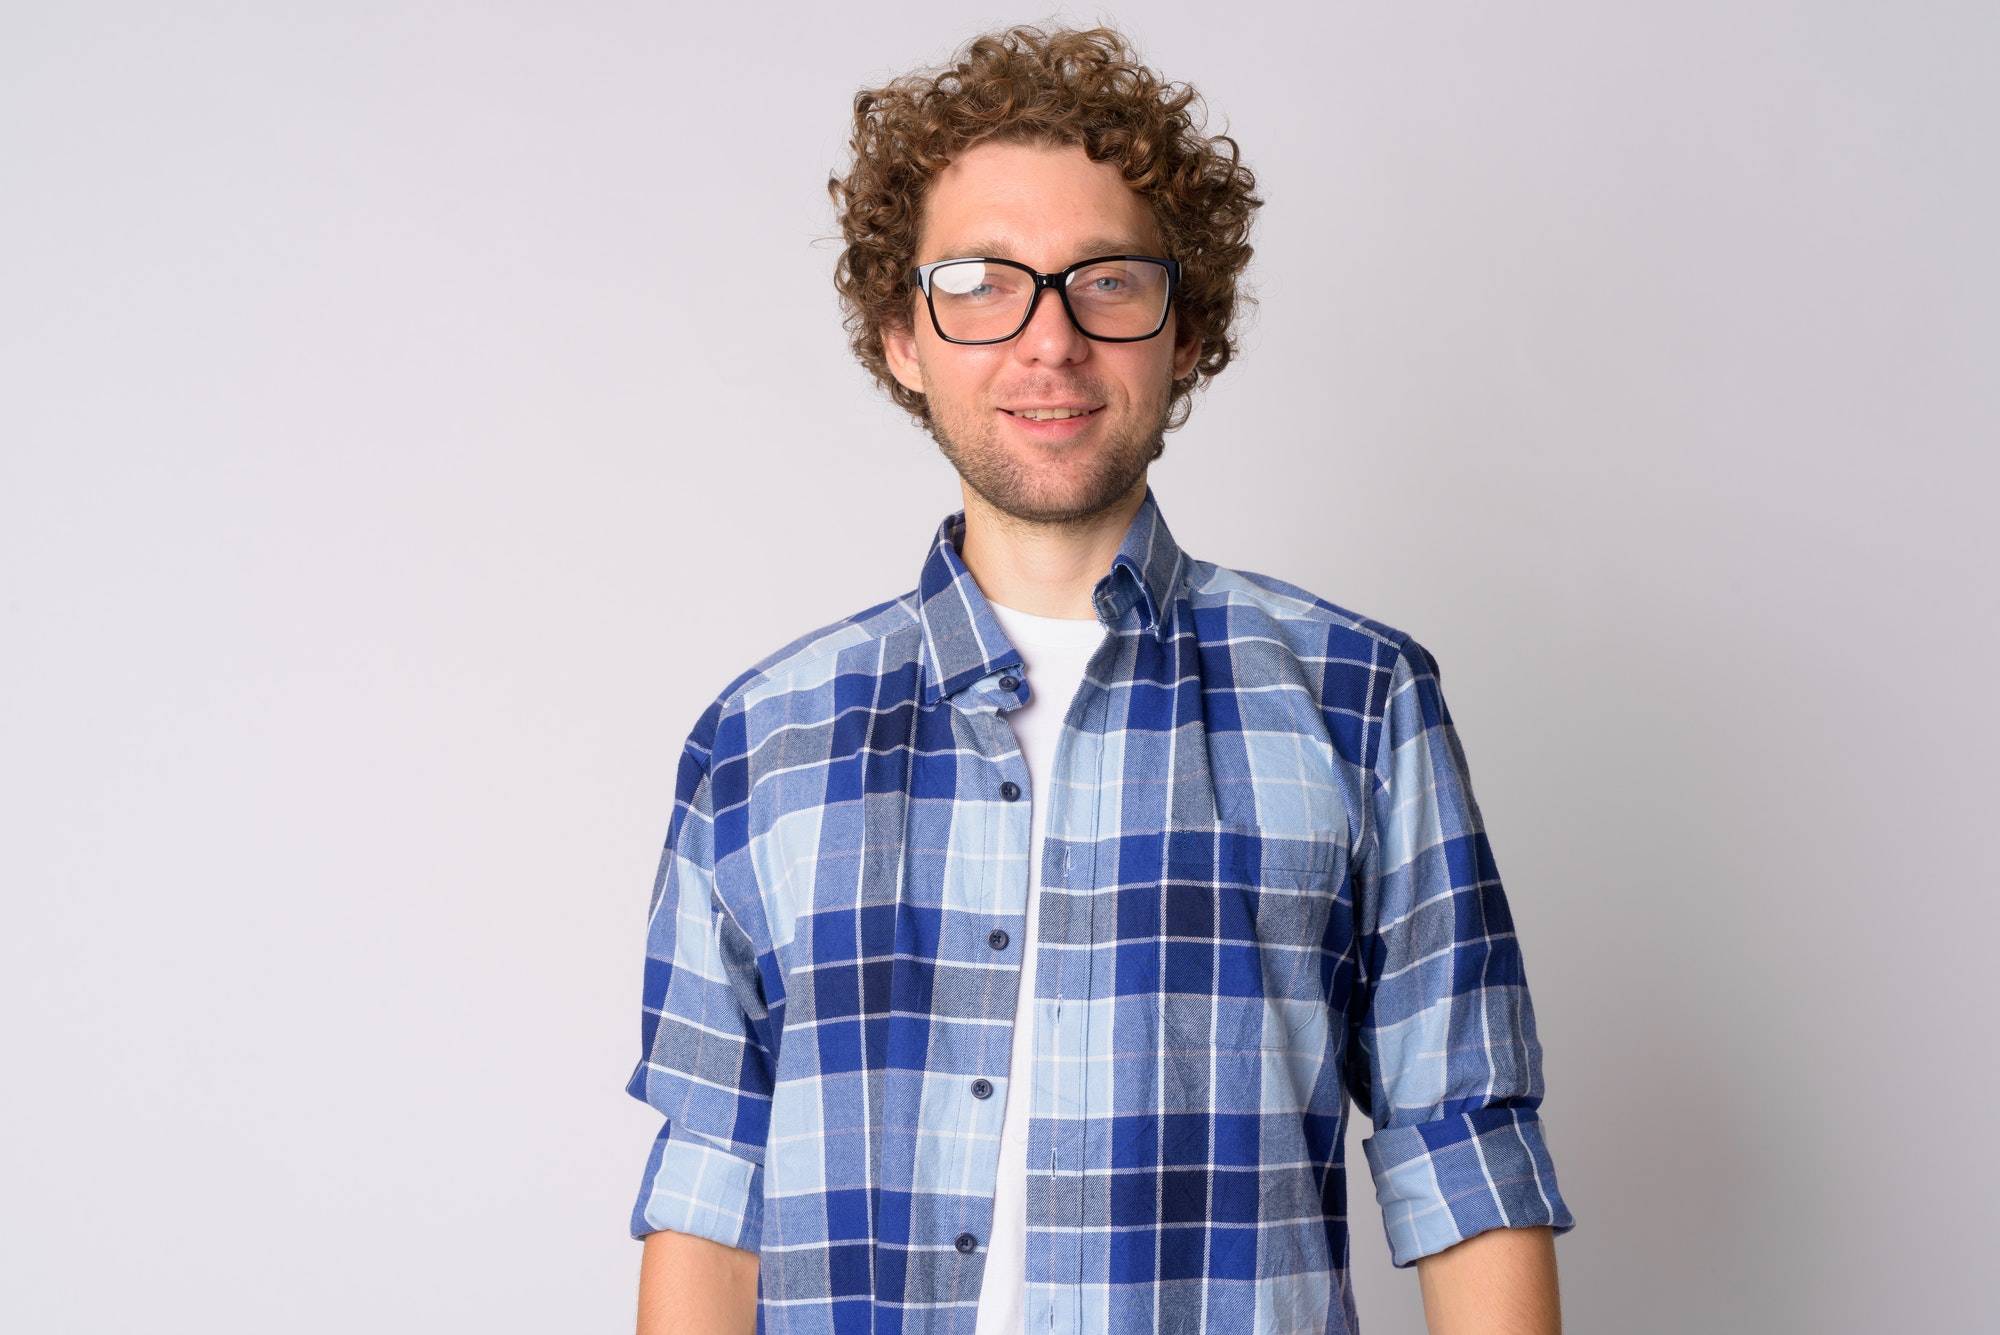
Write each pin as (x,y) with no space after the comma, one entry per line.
(1063,484)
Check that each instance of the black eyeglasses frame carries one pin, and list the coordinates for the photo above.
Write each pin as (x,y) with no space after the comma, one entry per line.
(921,276)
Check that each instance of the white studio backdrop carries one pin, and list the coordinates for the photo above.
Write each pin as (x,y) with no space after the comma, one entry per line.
(411,416)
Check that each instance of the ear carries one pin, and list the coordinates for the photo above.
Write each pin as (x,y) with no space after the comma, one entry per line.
(1187,350)
(899,349)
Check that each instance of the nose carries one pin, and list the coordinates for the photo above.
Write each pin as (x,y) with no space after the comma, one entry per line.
(1049,336)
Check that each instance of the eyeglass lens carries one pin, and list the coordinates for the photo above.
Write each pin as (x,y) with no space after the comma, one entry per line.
(1113,298)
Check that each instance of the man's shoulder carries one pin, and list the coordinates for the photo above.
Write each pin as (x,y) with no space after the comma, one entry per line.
(1229,601)
(808,660)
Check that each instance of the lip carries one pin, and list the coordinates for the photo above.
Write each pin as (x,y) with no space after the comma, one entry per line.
(1065,429)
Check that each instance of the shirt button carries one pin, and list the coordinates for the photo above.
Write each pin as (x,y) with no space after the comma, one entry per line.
(1010,790)
(981,1087)
(997,939)
(1009,682)
(965,1242)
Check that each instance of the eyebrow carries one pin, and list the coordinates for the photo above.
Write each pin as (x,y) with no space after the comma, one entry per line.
(1094,246)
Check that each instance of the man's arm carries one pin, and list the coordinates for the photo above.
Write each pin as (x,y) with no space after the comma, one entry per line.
(1500,1282)
(1443,1054)
(705,1061)
(691,1286)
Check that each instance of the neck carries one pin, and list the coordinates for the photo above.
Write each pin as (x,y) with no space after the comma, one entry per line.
(1045,569)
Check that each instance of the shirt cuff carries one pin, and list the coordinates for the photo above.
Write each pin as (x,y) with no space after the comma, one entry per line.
(692,1185)
(1441,1182)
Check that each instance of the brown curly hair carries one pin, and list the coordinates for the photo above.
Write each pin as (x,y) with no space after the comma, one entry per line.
(1066,87)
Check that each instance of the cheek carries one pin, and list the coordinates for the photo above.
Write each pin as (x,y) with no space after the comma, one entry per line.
(966,381)
(1148,376)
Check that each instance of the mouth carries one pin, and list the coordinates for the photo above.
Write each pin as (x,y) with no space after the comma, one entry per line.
(1058,428)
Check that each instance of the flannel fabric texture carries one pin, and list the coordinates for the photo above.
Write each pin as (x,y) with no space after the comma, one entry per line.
(1268,893)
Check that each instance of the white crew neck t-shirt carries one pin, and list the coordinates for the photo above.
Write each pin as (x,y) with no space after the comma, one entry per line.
(1053,652)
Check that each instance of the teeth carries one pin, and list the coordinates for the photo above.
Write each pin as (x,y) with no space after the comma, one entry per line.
(1051,414)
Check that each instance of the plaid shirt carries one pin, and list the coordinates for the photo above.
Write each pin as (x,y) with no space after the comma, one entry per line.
(1267,890)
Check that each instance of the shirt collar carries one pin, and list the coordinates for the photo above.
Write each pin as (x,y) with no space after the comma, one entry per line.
(963,640)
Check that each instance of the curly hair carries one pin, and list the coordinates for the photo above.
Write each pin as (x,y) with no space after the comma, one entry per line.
(1067,87)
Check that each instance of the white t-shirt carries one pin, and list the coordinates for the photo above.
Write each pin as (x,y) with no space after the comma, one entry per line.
(1053,652)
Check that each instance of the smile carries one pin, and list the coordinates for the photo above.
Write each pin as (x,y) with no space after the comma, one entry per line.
(1052,414)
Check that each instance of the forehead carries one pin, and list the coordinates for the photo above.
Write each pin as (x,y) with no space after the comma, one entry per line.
(1043,206)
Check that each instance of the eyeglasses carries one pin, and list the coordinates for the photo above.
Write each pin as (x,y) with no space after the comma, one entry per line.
(1110,298)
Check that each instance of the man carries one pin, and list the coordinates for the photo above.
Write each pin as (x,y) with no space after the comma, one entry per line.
(1018,941)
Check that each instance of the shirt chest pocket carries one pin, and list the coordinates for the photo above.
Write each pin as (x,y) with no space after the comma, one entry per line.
(1242,921)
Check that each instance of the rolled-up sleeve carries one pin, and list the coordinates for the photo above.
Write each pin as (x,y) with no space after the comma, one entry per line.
(1442,1050)
(702,1063)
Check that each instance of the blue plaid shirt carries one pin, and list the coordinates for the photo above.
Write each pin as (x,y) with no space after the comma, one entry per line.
(1267,890)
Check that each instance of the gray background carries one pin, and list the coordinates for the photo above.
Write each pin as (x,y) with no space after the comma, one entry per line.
(413,414)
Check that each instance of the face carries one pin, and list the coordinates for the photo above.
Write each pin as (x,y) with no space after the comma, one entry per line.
(1048,208)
